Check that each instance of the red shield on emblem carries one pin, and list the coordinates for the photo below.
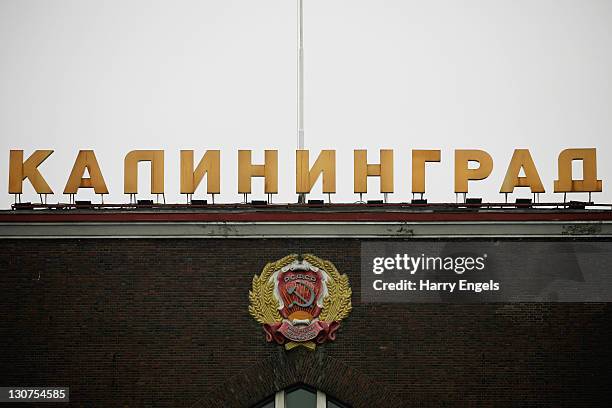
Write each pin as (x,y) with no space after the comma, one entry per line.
(300,293)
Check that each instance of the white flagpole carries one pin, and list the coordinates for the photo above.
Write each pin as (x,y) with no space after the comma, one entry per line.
(300,85)
(300,90)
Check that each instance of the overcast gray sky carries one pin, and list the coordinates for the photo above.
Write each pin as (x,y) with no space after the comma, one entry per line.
(140,74)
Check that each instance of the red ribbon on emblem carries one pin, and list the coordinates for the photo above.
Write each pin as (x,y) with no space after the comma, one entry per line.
(318,330)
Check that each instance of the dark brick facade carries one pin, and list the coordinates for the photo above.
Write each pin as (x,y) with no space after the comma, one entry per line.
(164,323)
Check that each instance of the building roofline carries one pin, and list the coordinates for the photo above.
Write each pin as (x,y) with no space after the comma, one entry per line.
(444,212)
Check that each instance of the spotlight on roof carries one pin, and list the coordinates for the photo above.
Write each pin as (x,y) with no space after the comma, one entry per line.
(523,202)
(315,202)
(259,202)
(23,206)
(420,201)
(198,202)
(375,201)
(577,205)
(473,202)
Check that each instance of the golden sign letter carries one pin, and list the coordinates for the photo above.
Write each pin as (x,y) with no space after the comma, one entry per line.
(210,165)
(305,178)
(130,176)
(269,171)
(20,170)
(462,171)
(522,159)
(86,159)
(589,182)
(362,170)
(419,158)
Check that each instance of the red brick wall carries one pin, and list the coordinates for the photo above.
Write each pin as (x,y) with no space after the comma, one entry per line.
(164,322)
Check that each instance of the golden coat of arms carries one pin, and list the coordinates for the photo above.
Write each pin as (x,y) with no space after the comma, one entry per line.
(300,301)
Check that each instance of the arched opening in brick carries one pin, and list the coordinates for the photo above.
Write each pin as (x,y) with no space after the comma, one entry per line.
(258,384)
(300,396)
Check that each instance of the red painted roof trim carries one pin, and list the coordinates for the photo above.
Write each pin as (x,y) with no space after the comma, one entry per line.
(292,216)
